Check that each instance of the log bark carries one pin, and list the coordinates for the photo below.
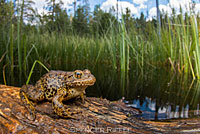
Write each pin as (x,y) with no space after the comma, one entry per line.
(96,115)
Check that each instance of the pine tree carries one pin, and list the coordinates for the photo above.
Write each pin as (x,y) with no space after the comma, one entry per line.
(81,19)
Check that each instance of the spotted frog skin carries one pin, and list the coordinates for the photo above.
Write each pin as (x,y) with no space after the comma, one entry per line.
(57,86)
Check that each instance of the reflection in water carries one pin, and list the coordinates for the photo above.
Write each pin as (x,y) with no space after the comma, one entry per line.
(149,111)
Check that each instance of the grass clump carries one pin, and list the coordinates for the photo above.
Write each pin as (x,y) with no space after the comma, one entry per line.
(104,42)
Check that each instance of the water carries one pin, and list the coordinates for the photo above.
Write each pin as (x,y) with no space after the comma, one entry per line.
(150,110)
(159,94)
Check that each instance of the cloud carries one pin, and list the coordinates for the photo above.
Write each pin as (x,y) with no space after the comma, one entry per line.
(68,4)
(163,9)
(176,4)
(139,1)
(40,4)
(197,8)
(122,5)
(142,6)
(185,4)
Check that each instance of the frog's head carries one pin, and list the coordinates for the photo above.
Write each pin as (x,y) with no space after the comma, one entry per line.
(80,78)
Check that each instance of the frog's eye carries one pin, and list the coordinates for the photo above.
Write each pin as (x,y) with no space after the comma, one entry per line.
(78,75)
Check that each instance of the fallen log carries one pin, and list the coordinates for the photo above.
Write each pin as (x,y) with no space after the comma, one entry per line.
(96,115)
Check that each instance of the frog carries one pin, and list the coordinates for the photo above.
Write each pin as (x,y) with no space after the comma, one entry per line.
(57,86)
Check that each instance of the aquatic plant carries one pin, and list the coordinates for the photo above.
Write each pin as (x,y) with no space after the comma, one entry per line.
(115,47)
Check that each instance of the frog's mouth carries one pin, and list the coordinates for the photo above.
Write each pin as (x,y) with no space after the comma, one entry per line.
(82,84)
(81,88)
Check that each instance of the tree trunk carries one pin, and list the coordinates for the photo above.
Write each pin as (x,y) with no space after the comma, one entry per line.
(96,115)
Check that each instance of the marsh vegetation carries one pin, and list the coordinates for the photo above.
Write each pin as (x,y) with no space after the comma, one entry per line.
(126,54)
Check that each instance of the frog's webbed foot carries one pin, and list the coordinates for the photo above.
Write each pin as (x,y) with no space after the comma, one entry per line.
(28,94)
(62,112)
(59,108)
(68,114)
(31,115)
(28,104)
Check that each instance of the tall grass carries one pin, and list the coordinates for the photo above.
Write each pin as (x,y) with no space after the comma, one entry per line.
(19,39)
(196,51)
(119,50)
(11,49)
(180,43)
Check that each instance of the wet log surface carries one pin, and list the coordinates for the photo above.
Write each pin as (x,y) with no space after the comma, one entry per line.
(96,115)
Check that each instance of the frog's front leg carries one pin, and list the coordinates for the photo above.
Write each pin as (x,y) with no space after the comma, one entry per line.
(83,97)
(28,94)
(58,106)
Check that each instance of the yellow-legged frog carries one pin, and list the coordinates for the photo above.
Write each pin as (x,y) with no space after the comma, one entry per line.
(57,86)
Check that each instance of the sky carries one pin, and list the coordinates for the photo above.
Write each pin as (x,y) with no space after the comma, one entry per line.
(135,6)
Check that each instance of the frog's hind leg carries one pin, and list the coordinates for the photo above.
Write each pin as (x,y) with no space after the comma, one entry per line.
(28,94)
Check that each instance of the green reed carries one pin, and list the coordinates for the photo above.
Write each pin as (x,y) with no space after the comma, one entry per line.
(119,50)
(178,46)
(195,39)
(18,39)
(11,48)
(33,66)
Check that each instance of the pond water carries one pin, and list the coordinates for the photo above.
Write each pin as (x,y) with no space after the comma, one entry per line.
(160,94)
